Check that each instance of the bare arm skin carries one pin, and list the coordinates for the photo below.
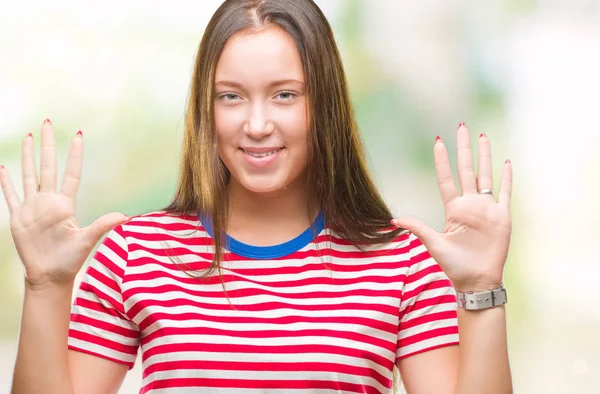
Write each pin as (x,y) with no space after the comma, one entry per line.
(478,365)
(52,248)
(472,250)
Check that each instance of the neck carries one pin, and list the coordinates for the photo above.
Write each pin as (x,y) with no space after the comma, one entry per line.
(264,219)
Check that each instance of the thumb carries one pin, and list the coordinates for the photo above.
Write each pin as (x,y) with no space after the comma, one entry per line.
(416,226)
(102,225)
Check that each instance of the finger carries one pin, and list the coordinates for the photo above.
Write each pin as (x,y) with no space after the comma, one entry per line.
(466,172)
(443,171)
(505,192)
(416,226)
(71,180)
(484,164)
(48,160)
(101,226)
(30,178)
(10,194)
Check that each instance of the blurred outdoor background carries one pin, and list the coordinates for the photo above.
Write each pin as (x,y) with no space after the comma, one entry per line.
(525,72)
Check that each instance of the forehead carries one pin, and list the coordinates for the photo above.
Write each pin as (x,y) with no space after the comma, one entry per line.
(255,57)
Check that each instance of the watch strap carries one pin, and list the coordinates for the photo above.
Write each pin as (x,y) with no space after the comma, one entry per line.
(482,300)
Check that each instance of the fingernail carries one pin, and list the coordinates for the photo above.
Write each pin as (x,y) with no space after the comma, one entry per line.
(47,121)
(30,135)
(1,167)
(507,161)
(80,133)
(437,139)
(481,135)
(461,124)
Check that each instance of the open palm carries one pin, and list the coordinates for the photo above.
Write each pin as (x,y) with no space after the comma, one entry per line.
(45,231)
(473,247)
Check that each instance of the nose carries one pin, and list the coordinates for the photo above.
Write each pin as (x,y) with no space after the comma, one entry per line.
(258,125)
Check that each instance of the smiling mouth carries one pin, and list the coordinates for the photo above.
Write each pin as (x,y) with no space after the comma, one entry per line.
(261,154)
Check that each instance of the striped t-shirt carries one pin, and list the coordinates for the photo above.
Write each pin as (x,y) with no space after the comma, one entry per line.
(313,315)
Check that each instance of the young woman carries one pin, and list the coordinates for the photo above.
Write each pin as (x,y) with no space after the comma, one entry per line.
(275,269)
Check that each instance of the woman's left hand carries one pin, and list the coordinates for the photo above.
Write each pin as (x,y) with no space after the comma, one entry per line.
(473,248)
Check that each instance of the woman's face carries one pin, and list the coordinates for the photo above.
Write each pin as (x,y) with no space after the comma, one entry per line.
(260,110)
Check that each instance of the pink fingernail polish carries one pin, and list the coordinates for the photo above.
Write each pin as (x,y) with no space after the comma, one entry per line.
(47,121)
(481,135)
(80,133)
(461,124)
(30,135)
(438,138)
(508,161)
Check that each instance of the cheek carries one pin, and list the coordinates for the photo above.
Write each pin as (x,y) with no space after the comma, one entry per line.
(226,126)
(294,125)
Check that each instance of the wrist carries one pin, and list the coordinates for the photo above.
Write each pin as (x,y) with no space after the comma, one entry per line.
(478,284)
(477,287)
(478,300)
(49,286)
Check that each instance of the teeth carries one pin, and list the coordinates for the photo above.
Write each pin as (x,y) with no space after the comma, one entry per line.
(262,154)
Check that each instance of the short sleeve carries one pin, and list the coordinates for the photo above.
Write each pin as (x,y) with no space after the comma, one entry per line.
(428,316)
(99,325)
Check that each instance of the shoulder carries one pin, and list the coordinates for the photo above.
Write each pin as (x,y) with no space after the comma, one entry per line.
(149,234)
(158,221)
(153,229)
(400,248)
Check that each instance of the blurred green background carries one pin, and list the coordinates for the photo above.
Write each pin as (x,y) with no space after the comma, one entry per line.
(523,72)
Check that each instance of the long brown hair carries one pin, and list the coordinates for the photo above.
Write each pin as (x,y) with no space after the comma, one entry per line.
(337,170)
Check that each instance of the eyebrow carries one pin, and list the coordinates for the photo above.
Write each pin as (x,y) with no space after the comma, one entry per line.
(272,84)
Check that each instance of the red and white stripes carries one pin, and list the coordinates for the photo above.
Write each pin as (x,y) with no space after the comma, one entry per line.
(327,318)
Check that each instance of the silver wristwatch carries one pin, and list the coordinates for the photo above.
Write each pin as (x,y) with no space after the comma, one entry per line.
(482,300)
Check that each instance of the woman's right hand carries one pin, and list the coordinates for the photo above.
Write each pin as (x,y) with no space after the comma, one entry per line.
(45,231)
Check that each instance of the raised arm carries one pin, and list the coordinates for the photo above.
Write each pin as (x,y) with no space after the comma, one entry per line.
(472,251)
(52,249)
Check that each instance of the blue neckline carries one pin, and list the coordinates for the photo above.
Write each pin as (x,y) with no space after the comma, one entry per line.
(268,252)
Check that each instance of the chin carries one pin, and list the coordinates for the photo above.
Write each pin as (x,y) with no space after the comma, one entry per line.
(263,185)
